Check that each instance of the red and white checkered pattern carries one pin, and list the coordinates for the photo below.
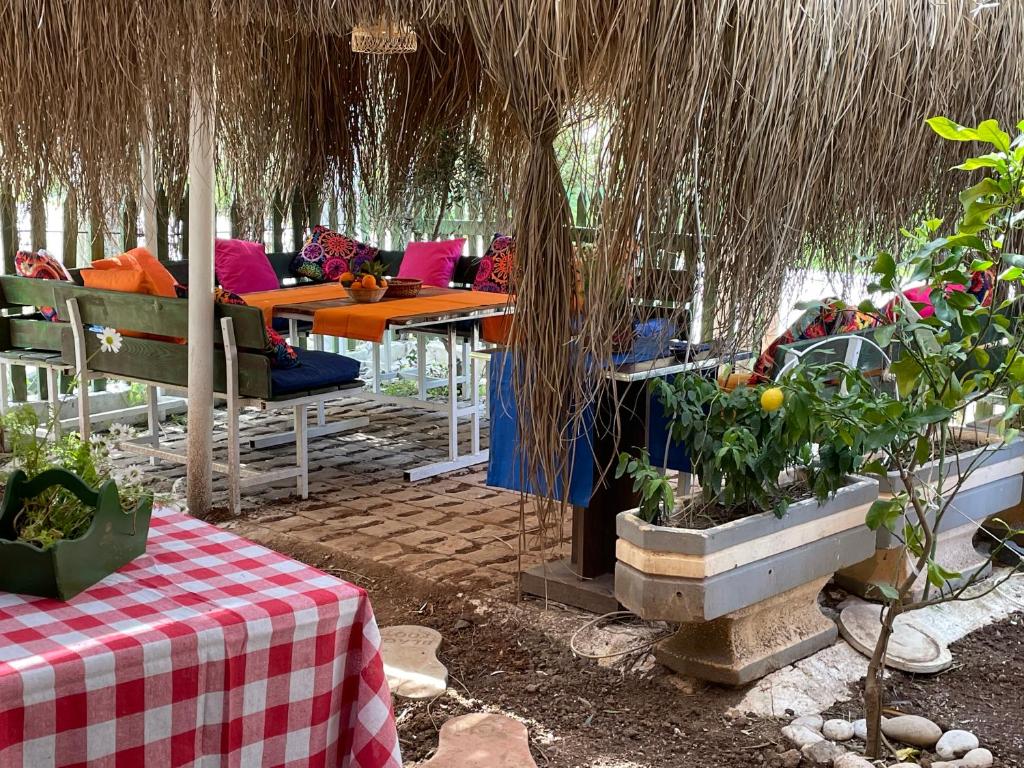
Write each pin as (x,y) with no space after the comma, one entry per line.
(208,650)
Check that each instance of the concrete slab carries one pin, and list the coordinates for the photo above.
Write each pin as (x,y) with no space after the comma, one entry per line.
(410,661)
(912,648)
(482,740)
(816,683)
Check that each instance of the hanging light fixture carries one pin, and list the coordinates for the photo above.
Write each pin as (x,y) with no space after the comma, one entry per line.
(384,37)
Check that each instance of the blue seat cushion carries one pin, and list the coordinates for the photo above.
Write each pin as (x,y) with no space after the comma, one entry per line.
(315,371)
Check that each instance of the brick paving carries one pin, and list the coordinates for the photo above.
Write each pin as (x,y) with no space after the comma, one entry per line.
(452,529)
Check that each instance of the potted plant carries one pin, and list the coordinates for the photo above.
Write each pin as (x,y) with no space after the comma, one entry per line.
(739,564)
(69,517)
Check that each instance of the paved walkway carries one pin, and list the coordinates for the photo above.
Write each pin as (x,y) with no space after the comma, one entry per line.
(453,529)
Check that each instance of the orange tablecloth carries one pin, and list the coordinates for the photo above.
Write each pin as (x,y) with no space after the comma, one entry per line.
(368,322)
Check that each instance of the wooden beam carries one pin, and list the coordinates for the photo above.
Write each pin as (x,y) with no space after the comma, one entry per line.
(299,213)
(130,223)
(9,235)
(150,230)
(163,219)
(202,226)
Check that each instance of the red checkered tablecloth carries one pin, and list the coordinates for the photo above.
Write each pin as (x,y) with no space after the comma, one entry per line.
(208,650)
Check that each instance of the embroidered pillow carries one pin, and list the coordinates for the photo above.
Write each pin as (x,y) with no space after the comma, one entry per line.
(431,262)
(495,272)
(43,266)
(280,352)
(243,267)
(327,255)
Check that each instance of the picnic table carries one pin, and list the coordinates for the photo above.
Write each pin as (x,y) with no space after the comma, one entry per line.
(208,650)
(332,313)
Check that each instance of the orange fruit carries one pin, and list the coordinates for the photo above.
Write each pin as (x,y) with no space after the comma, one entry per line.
(369,282)
(346,278)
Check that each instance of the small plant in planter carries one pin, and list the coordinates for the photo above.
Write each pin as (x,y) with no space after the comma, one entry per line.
(739,565)
(69,517)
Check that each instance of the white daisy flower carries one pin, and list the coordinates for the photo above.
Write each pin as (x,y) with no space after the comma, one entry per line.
(132,476)
(110,340)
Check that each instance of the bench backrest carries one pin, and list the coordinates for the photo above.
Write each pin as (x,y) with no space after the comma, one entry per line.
(22,327)
(156,352)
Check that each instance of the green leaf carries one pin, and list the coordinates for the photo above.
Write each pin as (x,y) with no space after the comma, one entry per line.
(938,576)
(1013,273)
(985,161)
(989,130)
(906,370)
(947,129)
(887,591)
(980,265)
(884,513)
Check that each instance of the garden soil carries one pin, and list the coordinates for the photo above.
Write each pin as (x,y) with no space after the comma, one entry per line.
(515,659)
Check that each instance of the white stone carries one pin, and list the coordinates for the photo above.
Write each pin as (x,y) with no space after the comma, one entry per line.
(822,754)
(800,735)
(837,730)
(977,758)
(814,722)
(860,729)
(914,730)
(955,744)
(851,760)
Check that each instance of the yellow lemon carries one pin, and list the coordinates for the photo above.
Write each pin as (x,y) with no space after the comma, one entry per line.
(771,399)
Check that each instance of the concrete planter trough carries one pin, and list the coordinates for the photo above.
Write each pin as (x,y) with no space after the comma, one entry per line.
(993,487)
(744,593)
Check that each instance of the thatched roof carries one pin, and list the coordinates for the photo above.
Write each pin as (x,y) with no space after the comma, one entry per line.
(772,131)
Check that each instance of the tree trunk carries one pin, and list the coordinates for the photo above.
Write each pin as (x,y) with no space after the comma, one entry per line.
(874,684)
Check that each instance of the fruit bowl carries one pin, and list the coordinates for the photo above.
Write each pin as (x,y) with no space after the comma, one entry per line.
(365,295)
(403,287)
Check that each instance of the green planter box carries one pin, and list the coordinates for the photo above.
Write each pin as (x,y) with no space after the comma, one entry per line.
(68,567)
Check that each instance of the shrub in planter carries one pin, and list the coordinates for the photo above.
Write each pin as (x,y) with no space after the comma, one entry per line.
(65,523)
(739,565)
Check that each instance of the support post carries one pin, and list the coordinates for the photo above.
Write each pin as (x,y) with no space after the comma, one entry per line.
(201,226)
(70,255)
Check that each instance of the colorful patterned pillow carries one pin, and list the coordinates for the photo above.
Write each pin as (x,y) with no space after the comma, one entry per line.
(280,352)
(43,266)
(495,272)
(327,255)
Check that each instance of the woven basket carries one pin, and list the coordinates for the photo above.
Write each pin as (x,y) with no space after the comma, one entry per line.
(366,295)
(403,287)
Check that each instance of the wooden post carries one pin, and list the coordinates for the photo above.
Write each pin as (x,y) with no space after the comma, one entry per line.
(37,219)
(184,214)
(332,212)
(233,217)
(298,219)
(70,256)
(277,214)
(150,230)
(130,223)
(96,251)
(201,224)
(163,222)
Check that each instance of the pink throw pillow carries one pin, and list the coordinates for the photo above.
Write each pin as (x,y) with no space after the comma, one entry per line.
(243,267)
(432,262)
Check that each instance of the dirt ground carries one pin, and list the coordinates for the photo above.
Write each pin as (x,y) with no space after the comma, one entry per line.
(630,713)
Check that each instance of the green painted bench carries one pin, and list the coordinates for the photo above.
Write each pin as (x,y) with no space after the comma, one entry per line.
(243,376)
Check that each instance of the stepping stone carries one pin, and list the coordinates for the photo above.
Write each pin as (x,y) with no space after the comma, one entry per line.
(410,661)
(482,740)
(911,647)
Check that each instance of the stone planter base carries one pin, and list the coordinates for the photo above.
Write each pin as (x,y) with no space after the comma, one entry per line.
(747,644)
(953,550)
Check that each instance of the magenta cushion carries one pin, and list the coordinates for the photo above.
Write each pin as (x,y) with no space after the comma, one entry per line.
(242,267)
(432,262)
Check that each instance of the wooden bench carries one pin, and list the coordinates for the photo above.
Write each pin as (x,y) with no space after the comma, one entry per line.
(27,338)
(243,376)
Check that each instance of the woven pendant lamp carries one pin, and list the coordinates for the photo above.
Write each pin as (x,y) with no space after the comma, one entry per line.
(383,37)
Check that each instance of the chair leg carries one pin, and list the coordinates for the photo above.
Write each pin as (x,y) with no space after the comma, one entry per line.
(153,419)
(53,389)
(5,392)
(301,452)
(234,458)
